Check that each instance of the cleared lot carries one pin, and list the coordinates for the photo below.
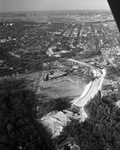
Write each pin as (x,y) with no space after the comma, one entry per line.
(68,86)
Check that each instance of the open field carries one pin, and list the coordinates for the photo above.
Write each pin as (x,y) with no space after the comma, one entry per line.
(62,87)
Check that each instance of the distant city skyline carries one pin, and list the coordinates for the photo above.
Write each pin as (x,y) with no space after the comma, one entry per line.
(38,5)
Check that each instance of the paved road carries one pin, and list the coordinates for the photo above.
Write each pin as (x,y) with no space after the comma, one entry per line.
(92,91)
(81,63)
(92,88)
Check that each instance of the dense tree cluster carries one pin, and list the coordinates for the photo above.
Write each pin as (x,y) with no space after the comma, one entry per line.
(101,130)
(58,104)
(18,128)
(93,53)
(113,71)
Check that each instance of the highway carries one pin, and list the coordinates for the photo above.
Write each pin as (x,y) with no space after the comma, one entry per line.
(92,88)
(90,92)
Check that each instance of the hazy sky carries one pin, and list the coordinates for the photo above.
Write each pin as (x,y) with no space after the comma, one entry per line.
(26,5)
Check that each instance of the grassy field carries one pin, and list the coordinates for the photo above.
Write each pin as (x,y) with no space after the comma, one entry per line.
(69,86)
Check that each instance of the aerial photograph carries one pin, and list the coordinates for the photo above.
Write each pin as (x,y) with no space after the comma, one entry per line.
(59,75)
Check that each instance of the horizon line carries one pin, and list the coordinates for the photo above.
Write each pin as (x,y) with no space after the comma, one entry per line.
(56,10)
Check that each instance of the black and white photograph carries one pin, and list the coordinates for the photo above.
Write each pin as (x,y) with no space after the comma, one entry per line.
(59,75)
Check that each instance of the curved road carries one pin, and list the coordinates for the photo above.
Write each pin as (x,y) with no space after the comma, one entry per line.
(92,88)
(91,92)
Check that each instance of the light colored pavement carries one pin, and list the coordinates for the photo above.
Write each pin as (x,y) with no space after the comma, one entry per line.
(91,91)
(81,63)
(92,88)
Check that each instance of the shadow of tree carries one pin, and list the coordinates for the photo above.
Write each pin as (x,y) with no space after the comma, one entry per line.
(18,128)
